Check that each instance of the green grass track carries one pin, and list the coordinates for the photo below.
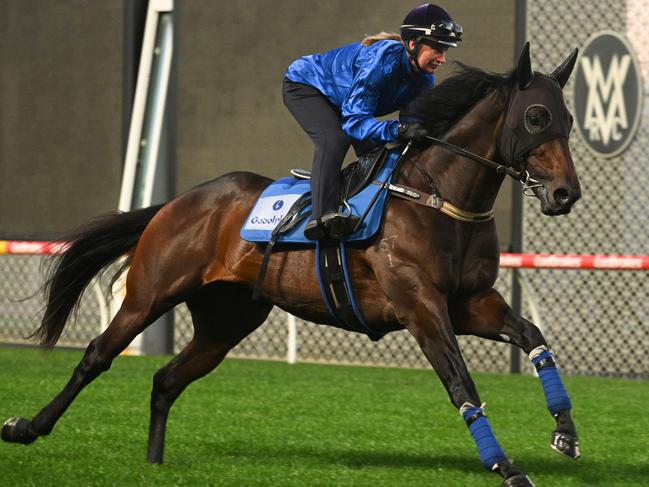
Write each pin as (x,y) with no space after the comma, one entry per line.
(255,423)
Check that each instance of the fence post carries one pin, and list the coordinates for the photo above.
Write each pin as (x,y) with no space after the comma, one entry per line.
(291,345)
(149,132)
(516,244)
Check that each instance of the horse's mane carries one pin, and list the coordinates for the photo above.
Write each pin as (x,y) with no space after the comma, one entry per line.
(440,107)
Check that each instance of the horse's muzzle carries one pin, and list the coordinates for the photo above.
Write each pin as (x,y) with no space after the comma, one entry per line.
(557,201)
(551,165)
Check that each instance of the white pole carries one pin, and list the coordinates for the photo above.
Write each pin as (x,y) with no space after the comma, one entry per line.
(104,312)
(146,127)
(291,353)
(532,301)
(165,51)
(139,108)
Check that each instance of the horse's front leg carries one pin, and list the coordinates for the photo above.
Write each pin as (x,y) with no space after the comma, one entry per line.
(424,313)
(489,316)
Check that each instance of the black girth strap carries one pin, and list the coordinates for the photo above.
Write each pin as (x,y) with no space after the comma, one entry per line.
(290,220)
(336,292)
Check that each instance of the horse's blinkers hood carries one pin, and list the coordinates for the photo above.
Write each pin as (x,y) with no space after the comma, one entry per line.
(537,112)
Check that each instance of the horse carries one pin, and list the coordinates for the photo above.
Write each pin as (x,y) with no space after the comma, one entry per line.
(426,271)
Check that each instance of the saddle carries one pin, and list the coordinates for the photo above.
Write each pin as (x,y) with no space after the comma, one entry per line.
(280,214)
(281,210)
(356,175)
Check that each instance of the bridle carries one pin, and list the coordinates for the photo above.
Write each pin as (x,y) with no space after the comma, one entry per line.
(434,200)
(513,145)
(522,175)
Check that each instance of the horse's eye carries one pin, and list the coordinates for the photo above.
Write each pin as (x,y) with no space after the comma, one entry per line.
(537,119)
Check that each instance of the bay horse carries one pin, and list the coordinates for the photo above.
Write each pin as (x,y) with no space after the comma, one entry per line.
(425,272)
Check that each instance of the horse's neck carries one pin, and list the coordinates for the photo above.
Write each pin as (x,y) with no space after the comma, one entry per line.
(461,181)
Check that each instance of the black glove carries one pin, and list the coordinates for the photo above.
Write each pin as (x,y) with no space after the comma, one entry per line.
(411,131)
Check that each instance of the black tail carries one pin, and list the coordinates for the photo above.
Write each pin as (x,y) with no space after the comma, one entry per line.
(92,248)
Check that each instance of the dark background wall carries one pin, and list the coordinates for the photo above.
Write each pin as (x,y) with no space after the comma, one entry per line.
(233,57)
(60,113)
(61,82)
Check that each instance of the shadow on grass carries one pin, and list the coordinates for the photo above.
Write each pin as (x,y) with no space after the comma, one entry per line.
(351,458)
(588,472)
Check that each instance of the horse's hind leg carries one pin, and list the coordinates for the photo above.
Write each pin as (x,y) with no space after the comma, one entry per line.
(222,314)
(491,317)
(131,319)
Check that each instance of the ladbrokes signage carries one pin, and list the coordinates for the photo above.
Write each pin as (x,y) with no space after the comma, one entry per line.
(607,94)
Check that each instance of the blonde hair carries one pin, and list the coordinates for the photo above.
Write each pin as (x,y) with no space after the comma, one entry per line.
(381,36)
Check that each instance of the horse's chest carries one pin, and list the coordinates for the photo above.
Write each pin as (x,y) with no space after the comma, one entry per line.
(479,269)
(455,274)
(478,276)
(466,265)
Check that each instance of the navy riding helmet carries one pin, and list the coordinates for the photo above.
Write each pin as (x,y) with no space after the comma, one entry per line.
(432,25)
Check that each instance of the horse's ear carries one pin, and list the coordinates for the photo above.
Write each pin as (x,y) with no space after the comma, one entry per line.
(562,73)
(524,73)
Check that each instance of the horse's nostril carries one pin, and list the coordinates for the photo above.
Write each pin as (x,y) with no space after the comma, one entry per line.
(562,196)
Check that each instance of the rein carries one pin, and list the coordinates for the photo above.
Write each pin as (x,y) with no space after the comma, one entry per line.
(500,168)
(522,176)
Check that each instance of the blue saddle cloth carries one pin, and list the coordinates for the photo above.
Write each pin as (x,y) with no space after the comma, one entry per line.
(277,199)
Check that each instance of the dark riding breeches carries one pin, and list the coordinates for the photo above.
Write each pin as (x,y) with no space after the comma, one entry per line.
(321,120)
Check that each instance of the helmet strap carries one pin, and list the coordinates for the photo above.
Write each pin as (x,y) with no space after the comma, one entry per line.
(414,52)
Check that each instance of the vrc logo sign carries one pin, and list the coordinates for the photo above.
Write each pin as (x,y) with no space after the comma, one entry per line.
(607,94)
(278,204)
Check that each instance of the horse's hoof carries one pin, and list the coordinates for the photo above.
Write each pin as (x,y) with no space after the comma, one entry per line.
(520,480)
(512,475)
(16,430)
(565,444)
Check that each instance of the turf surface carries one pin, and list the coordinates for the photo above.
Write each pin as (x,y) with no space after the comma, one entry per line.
(268,423)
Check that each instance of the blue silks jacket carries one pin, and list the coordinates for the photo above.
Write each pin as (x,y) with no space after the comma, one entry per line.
(364,83)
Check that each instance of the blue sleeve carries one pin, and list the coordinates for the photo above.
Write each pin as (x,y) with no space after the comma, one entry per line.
(358,109)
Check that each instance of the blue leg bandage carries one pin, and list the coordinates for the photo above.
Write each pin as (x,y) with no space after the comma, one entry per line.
(555,392)
(488,447)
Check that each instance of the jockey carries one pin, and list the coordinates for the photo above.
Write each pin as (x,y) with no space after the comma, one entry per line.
(336,96)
